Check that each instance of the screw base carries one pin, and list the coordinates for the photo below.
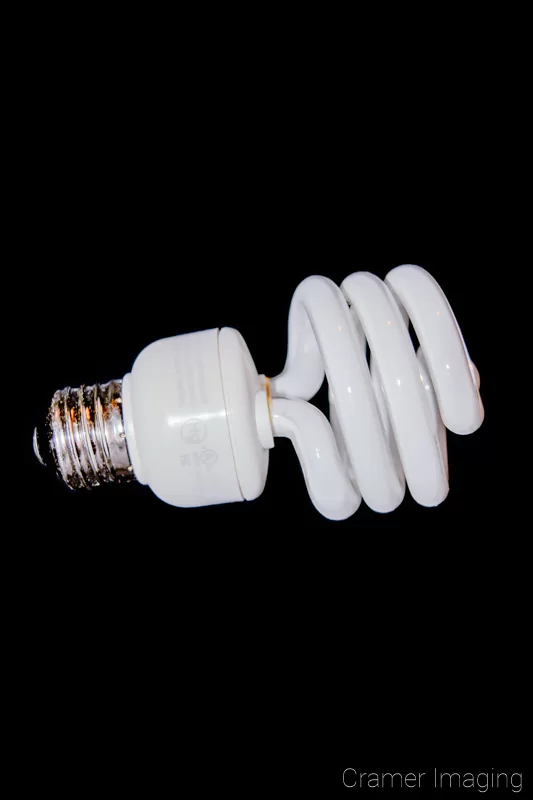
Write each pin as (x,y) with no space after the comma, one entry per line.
(84,438)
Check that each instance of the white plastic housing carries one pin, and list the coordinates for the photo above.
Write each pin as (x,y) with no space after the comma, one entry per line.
(189,411)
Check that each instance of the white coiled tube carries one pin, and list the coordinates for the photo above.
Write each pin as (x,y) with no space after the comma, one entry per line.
(387,421)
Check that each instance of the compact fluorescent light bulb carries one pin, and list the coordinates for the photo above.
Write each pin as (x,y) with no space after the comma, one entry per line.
(195,421)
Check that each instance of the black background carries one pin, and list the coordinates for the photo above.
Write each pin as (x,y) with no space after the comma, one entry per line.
(258,644)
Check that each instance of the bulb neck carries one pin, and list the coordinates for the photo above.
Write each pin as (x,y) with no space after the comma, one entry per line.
(84,437)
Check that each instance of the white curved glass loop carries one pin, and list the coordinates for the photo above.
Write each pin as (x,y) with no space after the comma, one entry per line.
(387,421)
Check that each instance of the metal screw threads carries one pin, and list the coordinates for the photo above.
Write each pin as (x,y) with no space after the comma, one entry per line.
(84,435)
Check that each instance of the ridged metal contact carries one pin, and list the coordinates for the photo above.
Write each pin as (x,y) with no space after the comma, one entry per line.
(85,436)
